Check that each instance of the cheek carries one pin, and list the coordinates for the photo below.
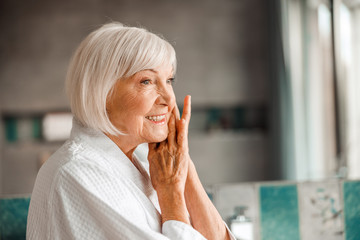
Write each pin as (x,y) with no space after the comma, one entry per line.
(173,99)
(127,102)
(122,109)
(137,107)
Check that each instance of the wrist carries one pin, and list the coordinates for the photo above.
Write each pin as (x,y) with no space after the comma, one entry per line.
(192,174)
(170,192)
(173,205)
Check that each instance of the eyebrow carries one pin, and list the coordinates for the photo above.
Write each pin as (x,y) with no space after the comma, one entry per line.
(154,71)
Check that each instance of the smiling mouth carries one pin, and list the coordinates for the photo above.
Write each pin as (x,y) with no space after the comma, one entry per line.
(159,119)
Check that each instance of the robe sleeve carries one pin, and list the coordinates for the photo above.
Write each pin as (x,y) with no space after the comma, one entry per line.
(88,202)
(231,235)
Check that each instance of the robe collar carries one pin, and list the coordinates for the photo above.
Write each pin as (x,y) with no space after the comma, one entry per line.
(112,153)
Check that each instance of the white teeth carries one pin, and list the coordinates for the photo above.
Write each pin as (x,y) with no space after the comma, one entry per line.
(156,118)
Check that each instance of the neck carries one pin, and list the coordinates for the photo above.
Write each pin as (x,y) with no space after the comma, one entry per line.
(127,147)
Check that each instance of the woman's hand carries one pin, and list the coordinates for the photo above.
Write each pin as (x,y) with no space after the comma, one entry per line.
(169,163)
(169,160)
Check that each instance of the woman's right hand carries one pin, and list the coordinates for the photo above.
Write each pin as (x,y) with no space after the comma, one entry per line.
(169,163)
(169,160)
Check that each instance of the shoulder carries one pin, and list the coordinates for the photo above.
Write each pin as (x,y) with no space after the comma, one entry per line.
(75,165)
(78,165)
(71,155)
(76,157)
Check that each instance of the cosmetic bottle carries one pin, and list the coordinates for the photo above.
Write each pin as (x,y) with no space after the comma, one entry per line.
(241,225)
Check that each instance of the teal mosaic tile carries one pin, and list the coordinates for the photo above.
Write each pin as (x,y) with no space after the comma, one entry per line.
(279,214)
(13,218)
(351,194)
(11,129)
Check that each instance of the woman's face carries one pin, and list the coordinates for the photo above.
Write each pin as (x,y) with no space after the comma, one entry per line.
(140,105)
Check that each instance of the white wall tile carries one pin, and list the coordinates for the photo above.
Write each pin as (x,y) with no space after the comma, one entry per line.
(320,210)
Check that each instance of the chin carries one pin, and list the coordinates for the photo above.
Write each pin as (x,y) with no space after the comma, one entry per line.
(158,137)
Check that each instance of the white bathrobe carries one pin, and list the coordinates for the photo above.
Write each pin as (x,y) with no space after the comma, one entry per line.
(89,189)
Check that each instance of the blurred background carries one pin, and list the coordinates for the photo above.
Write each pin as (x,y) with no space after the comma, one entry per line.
(274,83)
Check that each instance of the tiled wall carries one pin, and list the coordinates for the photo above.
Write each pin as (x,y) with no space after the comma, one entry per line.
(13,217)
(351,191)
(287,210)
(279,210)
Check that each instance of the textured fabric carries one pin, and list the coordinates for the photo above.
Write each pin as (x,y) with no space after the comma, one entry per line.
(89,189)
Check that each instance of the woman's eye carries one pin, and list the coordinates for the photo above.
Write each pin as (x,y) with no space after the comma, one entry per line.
(145,82)
(170,81)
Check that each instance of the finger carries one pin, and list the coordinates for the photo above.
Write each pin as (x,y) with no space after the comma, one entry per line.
(182,138)
(176,112)
(187,109)
(162,160)
(170,163)
(172,132)
(186,113)
(183,128)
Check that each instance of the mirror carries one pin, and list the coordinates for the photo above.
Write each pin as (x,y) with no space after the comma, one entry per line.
(347,42)
(309,143)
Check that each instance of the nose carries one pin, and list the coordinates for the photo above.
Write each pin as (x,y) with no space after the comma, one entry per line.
(166,97)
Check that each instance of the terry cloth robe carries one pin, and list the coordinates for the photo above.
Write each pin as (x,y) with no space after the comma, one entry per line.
(89,189)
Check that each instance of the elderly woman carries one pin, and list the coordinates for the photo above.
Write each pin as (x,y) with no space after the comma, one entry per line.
(125,172)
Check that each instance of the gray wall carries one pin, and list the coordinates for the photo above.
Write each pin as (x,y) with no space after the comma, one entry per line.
(222,58)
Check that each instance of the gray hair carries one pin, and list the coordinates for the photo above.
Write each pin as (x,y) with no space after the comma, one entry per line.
(105,56)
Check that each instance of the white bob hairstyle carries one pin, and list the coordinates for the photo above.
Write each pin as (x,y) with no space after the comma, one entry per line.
(107,55)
